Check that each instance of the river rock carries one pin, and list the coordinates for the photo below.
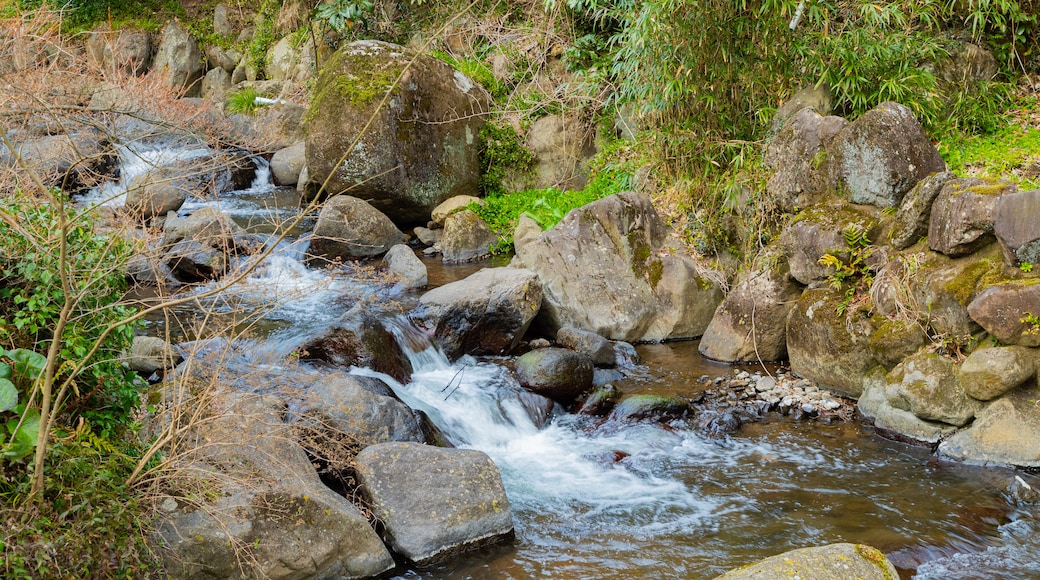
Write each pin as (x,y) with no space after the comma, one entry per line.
(341,406)
(1007,432)
(258,475)
(893,423)
(988,373)
(466,237)
(179,60)
(71,162)
(215,85)
(486,313)
(562,147)
(287,163)
(820,230)
(450,206)
(962,215)
(829,348)
(1017,228)
(406,266)
(155,193)
(911,221)
(599,349)
(191,262)
(558,373)
(149,354)
(127,50)
(820,563)
(422,147)
(601,272)
(880,156)
(208,226)
(360,339)
(649,408)
(218,57)
(751,322)
(797,158)
(1003,309)
(928,385)
(896,339)
(351,228)
(434,502)
(601,400)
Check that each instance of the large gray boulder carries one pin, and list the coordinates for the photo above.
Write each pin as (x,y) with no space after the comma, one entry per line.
(149,354)
(345,408)
(928,385)
(828,347)
(466,237)
(602,270)
(988,373)
(433,502)
(1016,224)
(882,155)
(208,226)
(70,161)
(599,349)
(351,228)
(486,313)
(1006,433)
(179,60)
(128,51)
(561,374)
(451,206)
(421,148)
(286,62)
(962,215)
(562,146)
(155,193)
(751,323)
(287,163)
(257,474)
(820,563)
(215,85)
(797,158)
(1004,309)
(359,339)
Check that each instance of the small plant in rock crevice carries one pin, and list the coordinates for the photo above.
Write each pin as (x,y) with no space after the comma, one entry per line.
(1033,322)
(852,273)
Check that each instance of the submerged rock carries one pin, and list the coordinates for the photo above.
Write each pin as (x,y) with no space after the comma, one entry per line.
(434,502)
(649,408)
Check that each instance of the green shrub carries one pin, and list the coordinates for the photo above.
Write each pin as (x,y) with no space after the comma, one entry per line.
(501,154)
(242,101)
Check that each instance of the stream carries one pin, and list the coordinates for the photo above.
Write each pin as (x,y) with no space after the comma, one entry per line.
(680,503)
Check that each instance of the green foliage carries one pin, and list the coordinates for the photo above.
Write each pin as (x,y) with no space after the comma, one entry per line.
(344,15)
(22,429)
(477,70)
(88,524)
(852,273)
(82,15)
(264,36)
(1032,321)
(1026,267)
(242,101)
(502,154)
(1006,154)
(32,297)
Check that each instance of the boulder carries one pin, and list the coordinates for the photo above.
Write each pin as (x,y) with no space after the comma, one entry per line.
(345,408)
(128,51)
(257,474)
(150,354)
(819,563)
(189,261)
(217,57)
(421,148)
(1004,310)
(928,385)
(208,226)
(562,147)
(911,221)
(962,215)
(287,163)
(426,236)
(601,272)
(406,267)
(155,193)
(828,347)
(215,85)
(967,63)
(601,400)
(280,124)
(797,158)
(453,502)
(450,206)
(599,349)
(486,313)
(285,62)
(817,98)
(988,373)
(359,339)
(880,156)
(558,373)
(649,408)
(466,237)
(751,323)
(895,339)
(179,60)
(222,20)
(897,424)
(1005,433)
(350,228)
(1017,227)
(71,162)
(820,230)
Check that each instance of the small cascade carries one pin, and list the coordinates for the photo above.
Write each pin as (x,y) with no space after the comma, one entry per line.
(135,160)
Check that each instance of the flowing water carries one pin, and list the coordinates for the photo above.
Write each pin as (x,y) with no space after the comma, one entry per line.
(677,503)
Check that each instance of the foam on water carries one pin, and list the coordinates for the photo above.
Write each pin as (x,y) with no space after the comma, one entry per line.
(135,160)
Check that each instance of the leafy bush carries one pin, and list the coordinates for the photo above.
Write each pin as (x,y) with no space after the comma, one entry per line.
(501,154)
(242,101)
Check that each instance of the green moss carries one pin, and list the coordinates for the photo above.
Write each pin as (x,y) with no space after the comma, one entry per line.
(964,286)
(655,272)
(875,557)
(982,186)
(356,77)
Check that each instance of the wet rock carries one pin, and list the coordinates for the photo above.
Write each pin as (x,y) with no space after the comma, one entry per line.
(485,313)
(454,503)
(990,372)
(450,206)
(625,354)
(751,322)
(406,266)
(601,272)
(189,261)
(1007,432)
(649,408)
(287,163)
(421,148)
(1017,228)
(466,237)
(179,60)
(928,385)
(1002,310)
(962,215)
(601,400)
(798,160)
(149,354)
(351,228)
(360,339)
(880,156)
(343,408)
(258,474)
(911,221)
(831,561)
(716,423)
(599,349)
(558,373)
(427,236)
